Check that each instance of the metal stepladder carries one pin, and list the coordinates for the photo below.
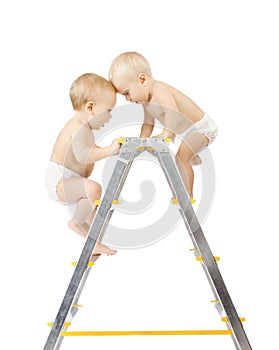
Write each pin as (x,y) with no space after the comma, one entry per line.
(131,148)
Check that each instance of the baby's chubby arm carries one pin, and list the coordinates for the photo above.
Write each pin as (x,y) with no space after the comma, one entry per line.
(169,109)
(85,150)
(148,124)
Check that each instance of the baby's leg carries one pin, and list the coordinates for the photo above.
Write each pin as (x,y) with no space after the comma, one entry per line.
(73,189)
(84,192)
(183,162)
(191,145)
(82,230)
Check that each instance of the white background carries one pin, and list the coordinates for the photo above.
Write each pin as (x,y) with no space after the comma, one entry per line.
(222,54)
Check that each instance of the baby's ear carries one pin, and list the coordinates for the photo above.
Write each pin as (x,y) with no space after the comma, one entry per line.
(143,78)
(89,106)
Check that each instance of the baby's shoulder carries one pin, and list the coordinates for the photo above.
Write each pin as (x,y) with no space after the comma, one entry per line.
(165,95)
(74,125)
(72,128)
(160,86)
(161,91)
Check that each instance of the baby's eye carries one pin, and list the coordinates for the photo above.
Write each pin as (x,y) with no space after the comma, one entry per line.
(109,110)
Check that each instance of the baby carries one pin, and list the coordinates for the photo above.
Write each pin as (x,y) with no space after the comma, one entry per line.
(74,153)
(130,73)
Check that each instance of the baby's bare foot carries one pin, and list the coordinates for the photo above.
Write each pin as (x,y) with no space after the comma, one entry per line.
(102,249)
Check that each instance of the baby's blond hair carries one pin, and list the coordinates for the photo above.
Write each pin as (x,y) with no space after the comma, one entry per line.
(126,63)
(86,87)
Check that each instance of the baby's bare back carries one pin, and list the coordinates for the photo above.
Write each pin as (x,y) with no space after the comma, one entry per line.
(182,111)
(63,152)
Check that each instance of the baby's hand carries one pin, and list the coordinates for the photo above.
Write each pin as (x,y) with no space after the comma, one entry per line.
(115,145)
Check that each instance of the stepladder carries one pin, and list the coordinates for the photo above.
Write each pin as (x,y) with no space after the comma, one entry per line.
(130,149)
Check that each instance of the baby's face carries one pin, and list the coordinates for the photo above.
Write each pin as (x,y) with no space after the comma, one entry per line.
(133,90)
(102,109)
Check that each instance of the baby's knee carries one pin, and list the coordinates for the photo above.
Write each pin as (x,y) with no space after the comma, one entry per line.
(97,188)
(94,190)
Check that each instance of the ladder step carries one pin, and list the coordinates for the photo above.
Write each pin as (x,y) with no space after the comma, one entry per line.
(66,324)
(90,263)
(98,201)
(199,258)
(176,201)
(125,333)
(225,319)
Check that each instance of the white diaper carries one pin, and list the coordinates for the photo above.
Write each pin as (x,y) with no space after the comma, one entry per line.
(206,126)
(53,175)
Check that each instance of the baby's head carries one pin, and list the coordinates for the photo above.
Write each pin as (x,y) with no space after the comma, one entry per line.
(92,94)
(130,73)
